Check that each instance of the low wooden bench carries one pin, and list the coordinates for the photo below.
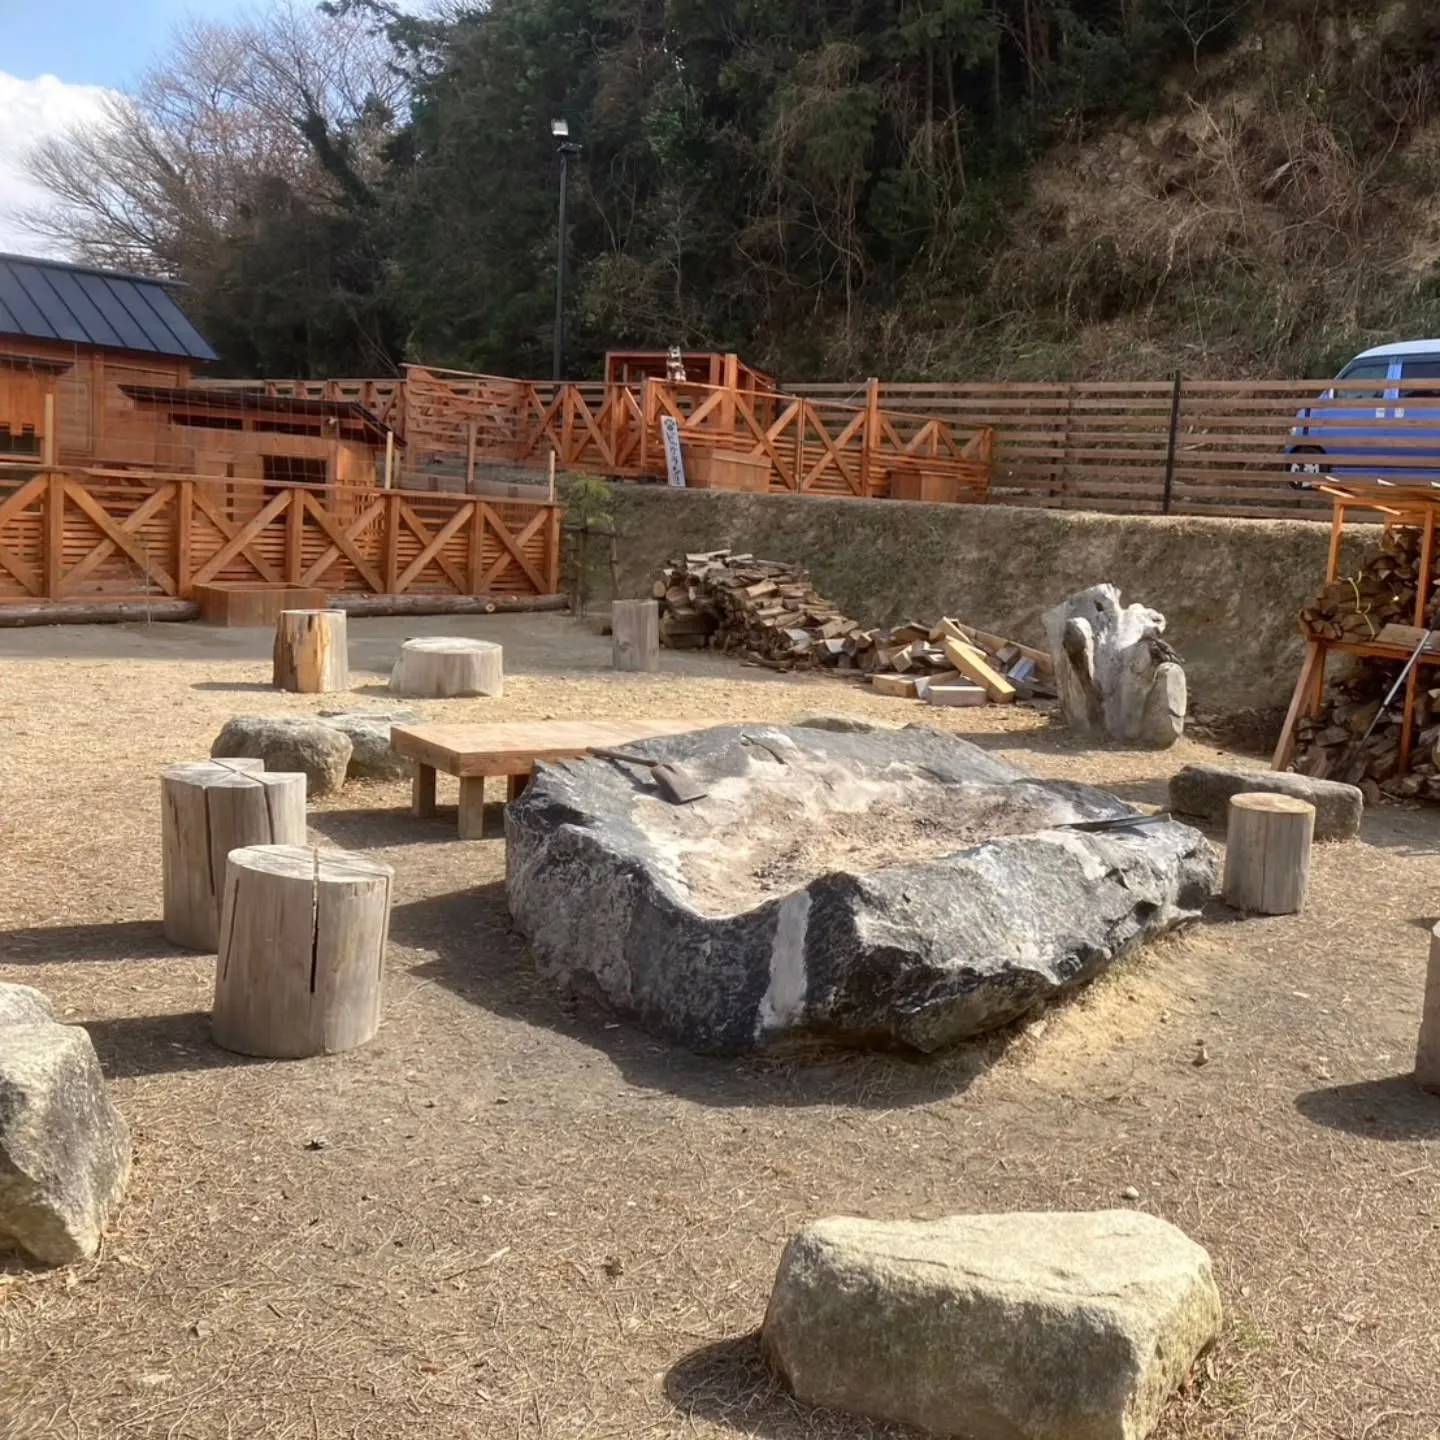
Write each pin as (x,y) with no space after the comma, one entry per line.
(473,753)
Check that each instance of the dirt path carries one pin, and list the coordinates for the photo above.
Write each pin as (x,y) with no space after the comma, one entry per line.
(532,1221)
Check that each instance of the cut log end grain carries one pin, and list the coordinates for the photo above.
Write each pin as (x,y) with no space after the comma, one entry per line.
(445,666)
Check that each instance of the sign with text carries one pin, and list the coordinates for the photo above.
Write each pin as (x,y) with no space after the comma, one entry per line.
(674,460)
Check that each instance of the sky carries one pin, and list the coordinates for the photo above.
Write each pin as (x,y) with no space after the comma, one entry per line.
(57,60)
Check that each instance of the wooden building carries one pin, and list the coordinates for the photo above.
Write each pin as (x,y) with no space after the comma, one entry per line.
(105,361)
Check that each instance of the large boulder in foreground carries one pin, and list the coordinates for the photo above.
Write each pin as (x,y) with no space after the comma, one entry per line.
(289,742)
(1205,791)
(898,888)
(64,1148)
(995,1327)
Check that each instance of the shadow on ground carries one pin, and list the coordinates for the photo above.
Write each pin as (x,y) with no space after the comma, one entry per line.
(1394,1108)
(728,1383)
(393,828)
(244,686)
(478,957)
(160,1045)
(75,944)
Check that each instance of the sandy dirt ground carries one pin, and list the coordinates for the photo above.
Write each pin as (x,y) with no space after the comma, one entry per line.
(511,1215)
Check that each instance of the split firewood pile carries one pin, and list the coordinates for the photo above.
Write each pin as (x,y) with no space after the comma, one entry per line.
(771,613)
(1350,739)
(1358,607)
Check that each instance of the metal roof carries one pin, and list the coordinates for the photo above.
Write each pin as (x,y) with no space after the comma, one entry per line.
(203,398)
(74,304)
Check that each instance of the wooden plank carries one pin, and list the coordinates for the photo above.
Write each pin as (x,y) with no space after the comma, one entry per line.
(1285,746)
(901,686)
(516,748)
(971,663)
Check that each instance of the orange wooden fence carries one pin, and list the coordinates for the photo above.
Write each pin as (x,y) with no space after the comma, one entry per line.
(68,534)
(814,447)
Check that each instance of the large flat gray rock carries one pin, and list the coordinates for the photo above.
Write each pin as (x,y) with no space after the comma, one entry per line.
(368,731)
(64,1148)
(995,1327)
(901,888)
(1205,791)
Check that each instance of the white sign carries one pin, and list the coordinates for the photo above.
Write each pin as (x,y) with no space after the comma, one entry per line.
(674,460)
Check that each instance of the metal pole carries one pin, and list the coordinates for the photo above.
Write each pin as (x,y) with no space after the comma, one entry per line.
(1174,436)
(559,360)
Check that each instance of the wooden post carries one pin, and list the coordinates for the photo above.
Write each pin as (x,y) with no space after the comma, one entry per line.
(1427,1053)
(470,457)
(1267,853)
(872,437)
(635,626)
(389,459)
(472,807)
(208,809)
(294,538)
(302,951)
(438,666)
(310,652)
(184,518)
(54,558)
(49,447)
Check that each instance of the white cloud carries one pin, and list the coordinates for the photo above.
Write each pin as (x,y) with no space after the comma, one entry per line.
(31,111)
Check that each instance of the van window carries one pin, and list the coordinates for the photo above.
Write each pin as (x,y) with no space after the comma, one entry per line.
(1363,370)
(1428,369)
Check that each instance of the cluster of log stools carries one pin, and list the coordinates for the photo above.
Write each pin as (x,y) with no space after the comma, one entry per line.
(299,932)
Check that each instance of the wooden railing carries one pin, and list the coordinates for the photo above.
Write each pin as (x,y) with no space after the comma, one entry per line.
(68,534)
(1186,447)
(814,447)
(384,399)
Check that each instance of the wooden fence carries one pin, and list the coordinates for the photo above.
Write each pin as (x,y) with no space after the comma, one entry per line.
(113,535)
(812,446)
(1186,447)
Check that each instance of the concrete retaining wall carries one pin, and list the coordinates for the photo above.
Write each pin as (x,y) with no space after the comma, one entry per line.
(1230,589)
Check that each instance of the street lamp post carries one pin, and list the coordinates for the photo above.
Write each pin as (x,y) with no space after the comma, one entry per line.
(565,148)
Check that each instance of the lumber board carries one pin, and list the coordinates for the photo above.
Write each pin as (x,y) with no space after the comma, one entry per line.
(971,663)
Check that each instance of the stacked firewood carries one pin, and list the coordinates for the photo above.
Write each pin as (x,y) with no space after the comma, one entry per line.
(766,609)
(1357,607)
(1333,744)
(770,612)
(1350,739)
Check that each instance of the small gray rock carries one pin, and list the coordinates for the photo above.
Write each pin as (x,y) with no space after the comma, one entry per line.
(290,742)
(1205,791)
(64,1148)
(1031,1327)
(371,757)
(840,722)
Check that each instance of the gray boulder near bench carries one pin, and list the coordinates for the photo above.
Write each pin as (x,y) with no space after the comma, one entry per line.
(327,748)
(1205,790)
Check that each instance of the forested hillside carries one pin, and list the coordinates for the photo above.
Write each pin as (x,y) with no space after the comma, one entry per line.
(916,188)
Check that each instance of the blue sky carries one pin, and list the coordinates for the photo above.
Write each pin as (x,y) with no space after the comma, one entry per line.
(92,42)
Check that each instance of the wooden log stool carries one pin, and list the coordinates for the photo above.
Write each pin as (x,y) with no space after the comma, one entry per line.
(311,654)
(1267,853)
(440,666)
(302,951)
(208,809)
(635,632)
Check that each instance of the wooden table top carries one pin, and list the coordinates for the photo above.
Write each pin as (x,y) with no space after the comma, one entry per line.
(515,747)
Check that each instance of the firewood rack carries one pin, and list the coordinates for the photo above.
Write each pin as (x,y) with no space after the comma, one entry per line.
(1411,506)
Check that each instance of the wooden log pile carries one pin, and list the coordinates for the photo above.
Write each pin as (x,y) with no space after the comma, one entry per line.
(1331,745)
(1357,607)
(771,613)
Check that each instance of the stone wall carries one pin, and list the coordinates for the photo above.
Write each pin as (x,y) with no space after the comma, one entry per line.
(1231,589)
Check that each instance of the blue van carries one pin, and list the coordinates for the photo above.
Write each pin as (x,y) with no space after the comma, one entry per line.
(1378,429)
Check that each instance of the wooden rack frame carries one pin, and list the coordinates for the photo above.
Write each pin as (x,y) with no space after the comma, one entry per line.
(1409,506)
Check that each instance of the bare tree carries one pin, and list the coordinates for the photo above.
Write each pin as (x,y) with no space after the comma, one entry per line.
(162,176)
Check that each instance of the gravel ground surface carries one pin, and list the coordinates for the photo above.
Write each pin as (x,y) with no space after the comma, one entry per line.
(530,1220)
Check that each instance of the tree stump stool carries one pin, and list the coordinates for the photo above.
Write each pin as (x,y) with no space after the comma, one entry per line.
(311,656)
(302,951)
(635,631)
(1267,853)
(1427,1053)
(208,809)
(437,666)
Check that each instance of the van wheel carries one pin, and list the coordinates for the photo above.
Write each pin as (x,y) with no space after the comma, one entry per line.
(1306,467)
